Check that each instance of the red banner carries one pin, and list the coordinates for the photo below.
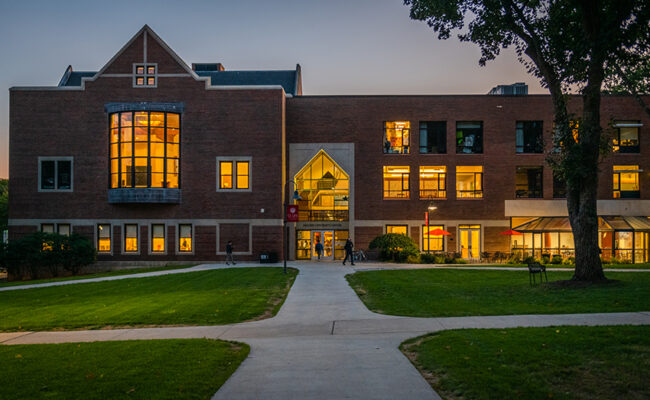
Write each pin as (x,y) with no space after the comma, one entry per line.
(292,213)
(426,218)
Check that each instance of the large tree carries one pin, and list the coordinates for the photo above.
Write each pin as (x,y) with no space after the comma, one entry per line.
(569,45)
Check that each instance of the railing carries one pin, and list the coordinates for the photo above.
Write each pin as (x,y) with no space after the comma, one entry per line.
(323,215)
(529,194)
(433,194)
(469,194)
(396,194)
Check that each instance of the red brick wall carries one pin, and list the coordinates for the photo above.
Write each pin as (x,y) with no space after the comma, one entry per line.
(359,119)
(363,235)
(237,233)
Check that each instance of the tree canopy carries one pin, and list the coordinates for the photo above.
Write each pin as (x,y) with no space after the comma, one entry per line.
(572,46)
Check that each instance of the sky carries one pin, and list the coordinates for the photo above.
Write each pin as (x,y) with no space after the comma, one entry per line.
(343,46)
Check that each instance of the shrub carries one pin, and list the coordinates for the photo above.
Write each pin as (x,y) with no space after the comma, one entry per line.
(515,258)
(569,261)
(426,258)
(557,259)
(529,260)
(32,255)
(546,259)
(396,247)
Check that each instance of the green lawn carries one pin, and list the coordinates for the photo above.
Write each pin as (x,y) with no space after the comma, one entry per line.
(97,275)
(152,369)
(536,363)
(449,292)
(193,298)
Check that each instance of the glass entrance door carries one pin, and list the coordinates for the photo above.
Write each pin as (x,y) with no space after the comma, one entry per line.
(327,239)
(470,241)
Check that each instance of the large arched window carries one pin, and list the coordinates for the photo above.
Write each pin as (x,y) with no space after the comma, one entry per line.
(145,149)
(324,188)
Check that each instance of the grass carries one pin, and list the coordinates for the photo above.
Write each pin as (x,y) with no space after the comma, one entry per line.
(605,266)
(97,275)
(447,292)
(153,369)
(536,363)
(194,298)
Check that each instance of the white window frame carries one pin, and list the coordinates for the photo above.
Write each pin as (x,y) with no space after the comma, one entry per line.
(96,236)
(234,161)
(150,247)
(137,233)
(56,173)
(146,75)
(178,238)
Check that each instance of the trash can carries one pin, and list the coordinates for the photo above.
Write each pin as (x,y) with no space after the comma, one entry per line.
(265,258)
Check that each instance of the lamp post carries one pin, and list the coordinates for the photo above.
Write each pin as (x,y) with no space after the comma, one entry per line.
(430,208)
(295,196)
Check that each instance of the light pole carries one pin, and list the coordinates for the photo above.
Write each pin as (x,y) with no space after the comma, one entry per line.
(295,196)
(430,208)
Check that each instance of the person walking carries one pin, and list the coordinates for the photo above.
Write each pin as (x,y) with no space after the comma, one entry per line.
(318,248)
(229,253)
(348,251)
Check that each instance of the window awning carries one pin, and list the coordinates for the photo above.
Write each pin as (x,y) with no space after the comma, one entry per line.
(607,223)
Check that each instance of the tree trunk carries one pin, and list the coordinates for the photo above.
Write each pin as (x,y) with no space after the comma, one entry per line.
(583,194)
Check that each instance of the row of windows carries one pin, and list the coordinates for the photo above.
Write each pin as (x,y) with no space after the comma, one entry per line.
(469,137)
(55,173)
(469,182)
(131,239)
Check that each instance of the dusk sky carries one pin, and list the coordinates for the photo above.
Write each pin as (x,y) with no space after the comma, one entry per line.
(344,47)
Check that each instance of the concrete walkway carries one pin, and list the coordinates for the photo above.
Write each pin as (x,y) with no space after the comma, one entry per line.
(324,343)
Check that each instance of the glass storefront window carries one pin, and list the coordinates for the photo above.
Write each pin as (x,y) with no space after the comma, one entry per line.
(432,242)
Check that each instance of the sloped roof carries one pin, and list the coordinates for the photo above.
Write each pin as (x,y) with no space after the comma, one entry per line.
(286,79)
(74,78)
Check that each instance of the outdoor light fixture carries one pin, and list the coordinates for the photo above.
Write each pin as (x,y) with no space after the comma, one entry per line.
(295,196)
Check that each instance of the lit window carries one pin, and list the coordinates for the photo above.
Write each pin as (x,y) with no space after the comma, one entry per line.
(144,149)
(397,137)
(103,238)
(47,228)
(528,182)
(63,229)
(398,229)
(130,238)
(396,182)
(157,238)
(529,137)
(234,173)
(433,137)
(626,181)
(185,238)
(433,182)
(144,75)
(626,138)
(469,137)
(469,182)
(324,188)
(432,242)
(55,173)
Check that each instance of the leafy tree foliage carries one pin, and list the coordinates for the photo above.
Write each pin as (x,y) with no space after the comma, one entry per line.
(394,246)
(569,45)
(33,256)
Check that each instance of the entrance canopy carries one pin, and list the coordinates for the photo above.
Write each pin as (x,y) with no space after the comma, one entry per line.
(607,223)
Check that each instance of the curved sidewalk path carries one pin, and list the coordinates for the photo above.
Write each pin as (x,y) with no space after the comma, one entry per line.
(324,343)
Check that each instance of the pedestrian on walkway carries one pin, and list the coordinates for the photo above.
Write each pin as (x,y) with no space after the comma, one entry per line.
(348,251)
(318,248)
(229,253)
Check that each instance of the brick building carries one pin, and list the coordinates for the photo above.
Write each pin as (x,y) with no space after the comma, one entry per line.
(160,161)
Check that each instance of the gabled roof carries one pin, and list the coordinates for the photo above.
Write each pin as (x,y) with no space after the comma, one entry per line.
(289,80)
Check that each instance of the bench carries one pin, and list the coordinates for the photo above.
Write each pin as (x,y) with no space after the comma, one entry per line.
(536,268)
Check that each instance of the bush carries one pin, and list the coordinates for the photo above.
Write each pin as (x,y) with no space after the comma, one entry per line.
(557,259)
(546,259)
(426,258)
(569,261)
(515,258)
(529,260)
(395,247)
(32,255)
